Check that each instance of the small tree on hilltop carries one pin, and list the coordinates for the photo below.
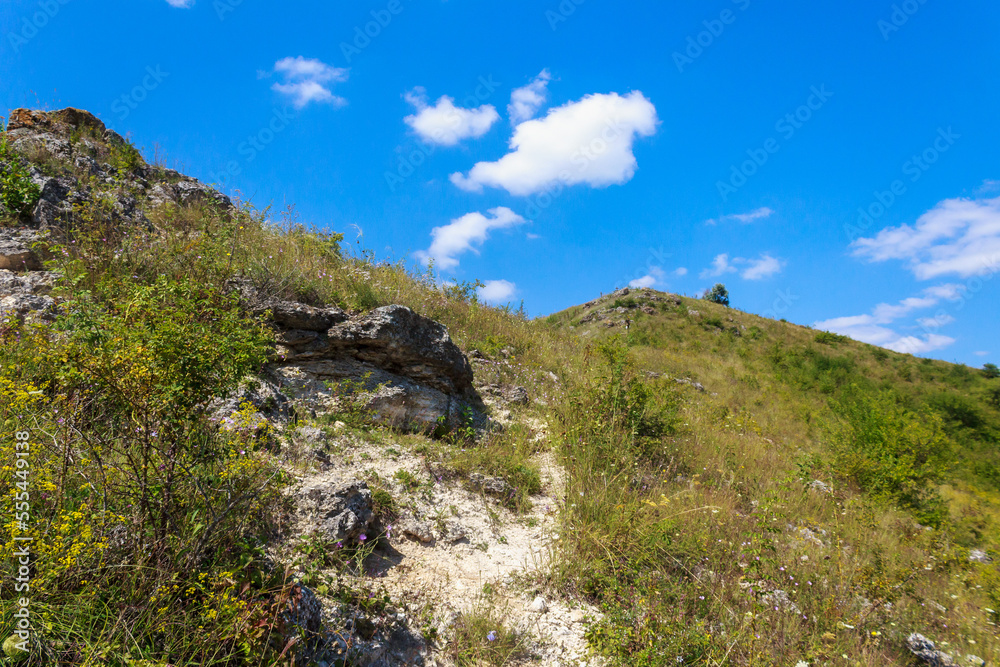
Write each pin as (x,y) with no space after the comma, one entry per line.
(718,294)
(991,371)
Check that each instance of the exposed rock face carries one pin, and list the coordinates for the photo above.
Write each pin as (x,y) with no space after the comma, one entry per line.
(400,367)
(338,512)
(400,341)
(16,253)
(77,154)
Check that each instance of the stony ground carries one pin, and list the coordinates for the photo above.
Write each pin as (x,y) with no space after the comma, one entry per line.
(452,548)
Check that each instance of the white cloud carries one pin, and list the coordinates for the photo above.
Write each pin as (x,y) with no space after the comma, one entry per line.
(584,142)
(307,80)
(656,275)
(763,267)
(183,4)
(444,123)
(681,271)
(497,291)
(720,265)
(981,353)
(760,268)
(464,234)
(989,185)
(873,328)
(958,236)
(526,101)
(744,218)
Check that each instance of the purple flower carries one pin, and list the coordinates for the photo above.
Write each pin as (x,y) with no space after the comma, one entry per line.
(362,537)
(492,636)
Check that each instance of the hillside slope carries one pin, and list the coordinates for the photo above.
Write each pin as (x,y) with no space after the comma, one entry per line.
(249,446)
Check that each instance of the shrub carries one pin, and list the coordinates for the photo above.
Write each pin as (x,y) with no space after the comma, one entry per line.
(891,453)
(828,338)
(17,191)
(718,294)
(991,371)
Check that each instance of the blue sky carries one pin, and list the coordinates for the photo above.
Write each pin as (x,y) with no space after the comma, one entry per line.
(558,150)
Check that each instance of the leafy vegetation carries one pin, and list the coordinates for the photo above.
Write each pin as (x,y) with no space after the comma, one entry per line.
(718,294)
(18,193)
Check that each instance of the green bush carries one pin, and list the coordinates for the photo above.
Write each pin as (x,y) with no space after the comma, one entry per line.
(891,453)
(991,371)
(17,191)
(718,294)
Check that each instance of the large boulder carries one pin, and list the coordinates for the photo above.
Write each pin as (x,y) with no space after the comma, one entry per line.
(925,651)
(398,340)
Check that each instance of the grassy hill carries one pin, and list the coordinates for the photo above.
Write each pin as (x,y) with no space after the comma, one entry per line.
(739,491)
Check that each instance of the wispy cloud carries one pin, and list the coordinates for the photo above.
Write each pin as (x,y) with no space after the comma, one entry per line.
(182,4)
(308,80)
(957,237)
(527,100)
(743,218)
(444,123)
(873,328)
(758,268)
(464,234)
(584,142)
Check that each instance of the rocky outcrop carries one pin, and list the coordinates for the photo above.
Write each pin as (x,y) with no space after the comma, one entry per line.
(16,250)
(398,367)
(397,340)
(925,651)
(75,160)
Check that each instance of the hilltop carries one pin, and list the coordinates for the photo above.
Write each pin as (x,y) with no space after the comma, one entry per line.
(249,445)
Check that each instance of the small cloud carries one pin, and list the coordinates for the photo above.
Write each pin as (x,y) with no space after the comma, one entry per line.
(760,268)
(584,142)
(307,80)
(935,322)
(183,4)
(464,234)
(981,353)
(720,266)
(681,271)
(497,291)
(444,123)
(526,101)
(763,267)
(743,218)
(532,237)
(989,185)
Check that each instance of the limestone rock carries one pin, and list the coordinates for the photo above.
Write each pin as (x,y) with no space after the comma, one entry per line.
(338,511)
(493,486)
(16,253)
(925,650)
(396,339)
(538,605)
